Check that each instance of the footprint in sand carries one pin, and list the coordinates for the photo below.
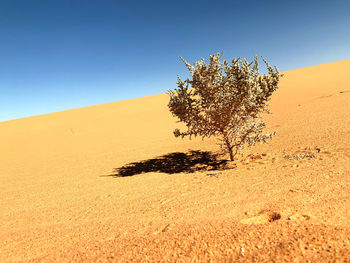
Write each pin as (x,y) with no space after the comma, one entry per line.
(264,218)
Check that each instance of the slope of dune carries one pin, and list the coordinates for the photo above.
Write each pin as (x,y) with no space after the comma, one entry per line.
(60,200)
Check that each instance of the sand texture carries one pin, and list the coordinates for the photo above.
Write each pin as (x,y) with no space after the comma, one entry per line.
(110,183)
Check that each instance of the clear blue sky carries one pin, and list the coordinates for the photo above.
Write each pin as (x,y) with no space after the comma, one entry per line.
(64,54)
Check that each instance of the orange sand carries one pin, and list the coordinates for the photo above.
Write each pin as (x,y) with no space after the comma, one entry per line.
(58,203)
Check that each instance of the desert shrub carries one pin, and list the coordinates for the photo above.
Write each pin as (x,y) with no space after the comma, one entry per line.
(225,101)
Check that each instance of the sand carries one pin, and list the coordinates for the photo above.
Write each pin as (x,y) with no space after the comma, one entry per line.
(60,200)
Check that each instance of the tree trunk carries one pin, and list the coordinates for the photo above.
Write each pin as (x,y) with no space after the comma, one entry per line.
(229,148)
(231,154)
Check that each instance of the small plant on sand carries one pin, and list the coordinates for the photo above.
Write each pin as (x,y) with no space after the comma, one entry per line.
(225,101)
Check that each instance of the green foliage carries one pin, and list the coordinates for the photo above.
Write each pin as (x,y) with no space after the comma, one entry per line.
(225,101)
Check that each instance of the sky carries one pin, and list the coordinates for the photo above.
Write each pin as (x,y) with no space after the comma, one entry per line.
(65,54)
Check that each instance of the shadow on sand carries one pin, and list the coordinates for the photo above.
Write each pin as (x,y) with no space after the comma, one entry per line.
(177,162)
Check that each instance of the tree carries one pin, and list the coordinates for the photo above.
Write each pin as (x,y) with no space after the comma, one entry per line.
(225,101)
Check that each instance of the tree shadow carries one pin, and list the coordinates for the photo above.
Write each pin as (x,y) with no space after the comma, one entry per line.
(177,162)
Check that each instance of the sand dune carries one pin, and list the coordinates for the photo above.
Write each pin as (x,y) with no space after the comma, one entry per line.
(61,203)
